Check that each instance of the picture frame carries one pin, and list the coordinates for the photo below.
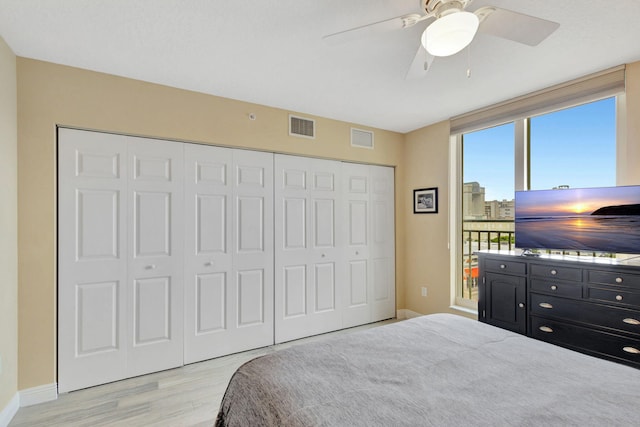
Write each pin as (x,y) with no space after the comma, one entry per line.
(425,200)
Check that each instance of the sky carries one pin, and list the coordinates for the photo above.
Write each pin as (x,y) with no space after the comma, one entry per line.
(574,147)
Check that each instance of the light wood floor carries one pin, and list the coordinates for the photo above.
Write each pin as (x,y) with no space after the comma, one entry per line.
(185,396)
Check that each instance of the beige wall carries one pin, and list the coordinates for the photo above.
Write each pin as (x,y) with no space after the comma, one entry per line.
(8,227)
(427,259)
(50,95)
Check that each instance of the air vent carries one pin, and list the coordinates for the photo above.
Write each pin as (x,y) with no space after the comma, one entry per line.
(299,126)
(361,138)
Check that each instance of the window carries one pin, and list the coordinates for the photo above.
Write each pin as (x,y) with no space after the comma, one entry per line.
(487,197)
(574,147)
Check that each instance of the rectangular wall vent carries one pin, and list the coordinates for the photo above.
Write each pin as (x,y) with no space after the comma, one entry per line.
(361,138)
(299,126)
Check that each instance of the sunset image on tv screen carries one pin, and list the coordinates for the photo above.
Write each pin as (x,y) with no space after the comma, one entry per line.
(603,219)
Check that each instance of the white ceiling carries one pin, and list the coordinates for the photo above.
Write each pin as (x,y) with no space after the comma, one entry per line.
(271,52)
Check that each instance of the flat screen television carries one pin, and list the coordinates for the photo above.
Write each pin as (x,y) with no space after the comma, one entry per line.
(605,219)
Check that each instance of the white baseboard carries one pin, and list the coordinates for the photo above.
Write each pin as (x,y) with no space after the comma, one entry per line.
(10,411)
(404,313)
(40,394)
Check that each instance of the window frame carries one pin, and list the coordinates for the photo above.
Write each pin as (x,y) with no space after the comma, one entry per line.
(522,140)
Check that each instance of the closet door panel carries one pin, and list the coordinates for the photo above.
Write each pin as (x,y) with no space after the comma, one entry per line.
(229,251)
(208,255)
(155,267)
(356,193)
(308,256)
(92,264)
(250,230)
(152,310)
(325,287)
(251,294)
(382,250)
(210,303)
(358,275)
(251,300)
(295,291)
(210,224)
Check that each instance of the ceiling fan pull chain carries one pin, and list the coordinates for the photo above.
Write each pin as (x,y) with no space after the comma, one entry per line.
(469,61)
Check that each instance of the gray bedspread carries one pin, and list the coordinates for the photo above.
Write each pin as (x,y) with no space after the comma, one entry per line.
(436,370)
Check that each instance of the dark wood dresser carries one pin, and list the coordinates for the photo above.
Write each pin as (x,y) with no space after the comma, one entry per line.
(589,305)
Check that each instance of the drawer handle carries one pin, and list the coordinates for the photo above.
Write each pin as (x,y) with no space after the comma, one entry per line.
(554,272)
(631,350)
(545,305)
(502,266)
(618,279)
(150,267)
(208,264)
(618,297)
(549,330)
(554,288)
(631,321)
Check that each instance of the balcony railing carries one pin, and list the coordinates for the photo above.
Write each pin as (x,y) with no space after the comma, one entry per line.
(481,235)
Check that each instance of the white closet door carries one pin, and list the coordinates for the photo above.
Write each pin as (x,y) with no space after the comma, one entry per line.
(356,190)
(208,254)
(155,261)
(228,252)
(308,263)
(92,258)
(250,299)
(382,248)
(120,257)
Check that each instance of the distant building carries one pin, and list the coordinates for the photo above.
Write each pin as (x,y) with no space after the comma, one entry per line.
(473,201)
(504,209)
(476,208)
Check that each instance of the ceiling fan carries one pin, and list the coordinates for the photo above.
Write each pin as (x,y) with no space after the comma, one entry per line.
(453,28)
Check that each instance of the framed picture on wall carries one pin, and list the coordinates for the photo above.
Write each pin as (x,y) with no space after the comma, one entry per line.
(425,200)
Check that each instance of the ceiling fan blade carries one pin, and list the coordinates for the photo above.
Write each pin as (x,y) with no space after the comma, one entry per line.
(420,65)
(514,26)
(396,23)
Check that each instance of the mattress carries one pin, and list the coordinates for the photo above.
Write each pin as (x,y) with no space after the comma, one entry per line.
(435,370)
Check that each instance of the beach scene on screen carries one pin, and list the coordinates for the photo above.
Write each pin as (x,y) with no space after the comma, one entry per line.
(582,219)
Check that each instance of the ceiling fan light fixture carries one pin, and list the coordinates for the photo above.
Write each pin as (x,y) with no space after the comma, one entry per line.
(450,34)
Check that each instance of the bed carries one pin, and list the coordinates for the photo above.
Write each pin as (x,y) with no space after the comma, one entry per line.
(435,370)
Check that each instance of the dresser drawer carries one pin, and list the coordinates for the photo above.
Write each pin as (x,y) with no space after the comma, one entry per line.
(614,278)
(554,272)
(556,287)
(613,295)
(603,344)
(617,318)
(507,267)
